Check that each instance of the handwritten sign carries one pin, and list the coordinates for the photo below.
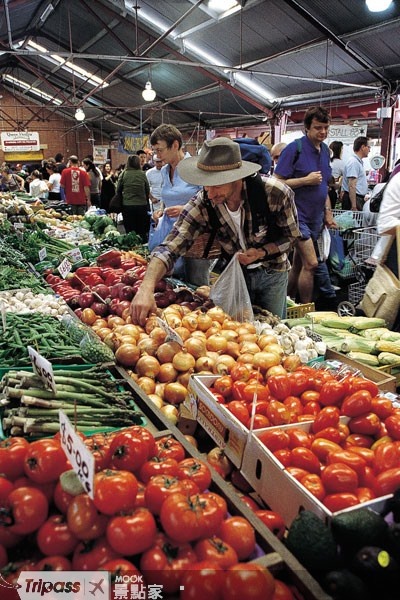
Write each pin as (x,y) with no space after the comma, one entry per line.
(64,268)
(80,457)
(43,368)
(74,255)
(42,254)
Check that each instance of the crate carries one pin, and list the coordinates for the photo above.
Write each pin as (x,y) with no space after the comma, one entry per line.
(356,292)
(385,381)
(299,310)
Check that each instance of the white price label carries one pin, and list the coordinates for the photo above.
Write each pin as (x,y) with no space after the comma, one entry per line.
(42,254)
(64,268)
(18,226)
(171,333)
(74,255)
(43,368)
(80,457)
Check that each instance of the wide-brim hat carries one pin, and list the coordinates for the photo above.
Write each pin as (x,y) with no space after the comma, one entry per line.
(219,162)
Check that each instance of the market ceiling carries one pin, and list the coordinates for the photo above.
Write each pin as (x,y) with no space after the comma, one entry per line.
(210,69)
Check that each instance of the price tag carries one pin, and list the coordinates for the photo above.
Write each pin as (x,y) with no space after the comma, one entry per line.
(80,457)
(64,268)
(43,368)
(19,229)
(171,333)
(42,254)
(74,255)
(18,226)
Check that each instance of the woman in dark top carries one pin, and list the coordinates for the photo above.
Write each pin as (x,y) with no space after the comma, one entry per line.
(135,198)
(107,187)
(95,181)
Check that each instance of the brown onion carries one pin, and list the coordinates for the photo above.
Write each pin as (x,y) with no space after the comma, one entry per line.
(190,321)
(204,321)
(224,364)
(249,347)
(115,321)
(103,332)
(233,349)
(167,373)
(276,370)
(217,343)
(166,352)
(213,330)
(147,384)
(173,320)
(217,314)
(247,326)
(205,363)
(247,337)
(264,360)
(183,378)
(183,361)
(175,392)
(156,399)
(160,389)
(291,362)
(151,323)
(183,333)
(196,347)
(99,323)
(230,324)
(127,355)
(265,339)
(246,358)
(277,348)
(158,335)
(148,366)
(148,345)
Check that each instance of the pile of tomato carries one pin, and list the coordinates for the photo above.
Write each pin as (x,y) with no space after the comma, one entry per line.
(152,514)
(350,452)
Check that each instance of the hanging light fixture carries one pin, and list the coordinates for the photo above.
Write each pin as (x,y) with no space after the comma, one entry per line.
(148,93)
(378,5)
(79,114)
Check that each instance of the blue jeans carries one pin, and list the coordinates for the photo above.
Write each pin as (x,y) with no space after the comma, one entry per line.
(322,282)
(268,289)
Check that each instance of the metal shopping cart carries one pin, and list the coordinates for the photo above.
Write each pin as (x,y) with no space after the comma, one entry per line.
(363,243)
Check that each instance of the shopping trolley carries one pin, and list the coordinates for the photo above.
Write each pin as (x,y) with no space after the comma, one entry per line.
(363,244)
(343,237)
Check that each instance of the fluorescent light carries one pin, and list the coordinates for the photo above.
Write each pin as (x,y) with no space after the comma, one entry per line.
(222,6)
(249,84)
(214,60)
(378,5)
(25,86)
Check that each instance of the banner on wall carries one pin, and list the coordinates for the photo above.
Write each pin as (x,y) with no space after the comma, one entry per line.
(20,141)
(345,133)
(100,154)
(130,143)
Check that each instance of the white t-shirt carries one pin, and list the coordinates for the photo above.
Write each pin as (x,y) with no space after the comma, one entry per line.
(54,179)
(38,188)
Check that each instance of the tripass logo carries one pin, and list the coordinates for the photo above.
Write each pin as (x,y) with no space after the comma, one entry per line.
(63,585)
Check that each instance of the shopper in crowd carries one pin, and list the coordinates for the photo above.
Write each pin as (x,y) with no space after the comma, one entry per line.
(76,185)
(11,182)
(257,221)
(154,177)
(53,182)
(305,166)
(167,142)
(355,184)
(37,186)
(337,166)
(324,290)
(107,186)
(135,198)
(60,164)
(144,165)
(95,181)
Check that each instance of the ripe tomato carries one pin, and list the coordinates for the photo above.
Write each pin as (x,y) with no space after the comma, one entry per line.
(114,491)
(338,478)
(282,591)
(381,406)
(365,494)
(55,537)
(359,440)
(366,453)
(256,389)
(294,405)
(238,533)
(83,519)
(309,396)
(248,581)
(89,556)
(298,382)
(273,521)
(240,372)
(45,460)
(196,470)
(166,562)
(99,446)
(332,393)
(367,424)
(161,486)
(329,433)
(167,446)
(335,502)
(128,452)
(278,413)
(386,456)
(349,458)
(299,437)
(284,456)
(275,439)
(238,390)
(61,498)
(314,485)
(6,486)
(279,386)
(188,519)
(356,383)
(327,417)
(296,472)
(132,533)
(12,457)
(259,422)
(310,410)
(223,385)
(322,447)
(392,425)
(54,563)
(387,482)
(217,551)
(357,403)
(239,409)
(304,458)
(158,466)
(146,436)
(25,510)
(203,580)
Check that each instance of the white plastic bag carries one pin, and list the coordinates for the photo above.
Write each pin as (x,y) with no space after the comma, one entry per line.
(326,243)
(231,294)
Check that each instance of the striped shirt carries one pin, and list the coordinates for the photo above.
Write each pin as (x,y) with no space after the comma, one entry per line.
(194,221)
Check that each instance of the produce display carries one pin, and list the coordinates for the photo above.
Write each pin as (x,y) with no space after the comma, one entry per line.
(25,301)
(90,396)
(155,512)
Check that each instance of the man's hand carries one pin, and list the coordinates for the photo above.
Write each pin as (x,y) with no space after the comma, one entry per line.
(313,178)
(250,256)
(173,211)
(142,305)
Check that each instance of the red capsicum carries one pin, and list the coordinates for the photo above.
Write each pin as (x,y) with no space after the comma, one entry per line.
(111,258)
(86,271)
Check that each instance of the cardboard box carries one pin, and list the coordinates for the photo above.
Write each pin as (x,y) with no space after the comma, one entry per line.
(384,381)
(280,490)
(221,425)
